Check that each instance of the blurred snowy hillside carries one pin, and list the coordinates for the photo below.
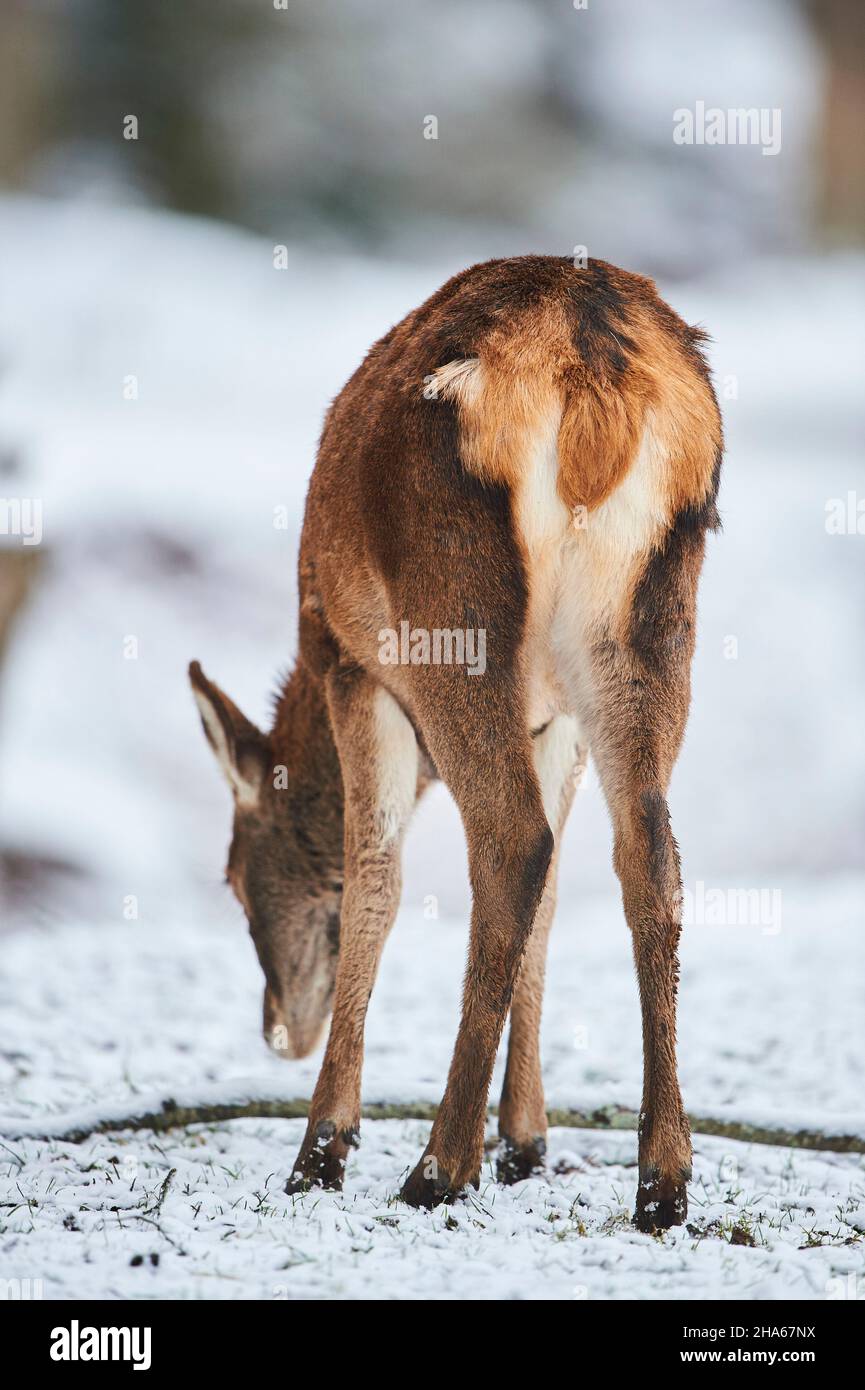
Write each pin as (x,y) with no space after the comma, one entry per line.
(173,519)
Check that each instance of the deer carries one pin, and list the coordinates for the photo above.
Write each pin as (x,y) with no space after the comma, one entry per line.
(534,453)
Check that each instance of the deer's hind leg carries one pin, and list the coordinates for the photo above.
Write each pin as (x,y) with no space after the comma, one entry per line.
(485,757)
(637,708)
(378,756)
(559,763)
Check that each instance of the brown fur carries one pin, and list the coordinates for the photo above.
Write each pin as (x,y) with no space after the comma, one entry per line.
(602,350)
(433,501)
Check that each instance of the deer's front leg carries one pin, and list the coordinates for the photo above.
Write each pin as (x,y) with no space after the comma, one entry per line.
(379,760)
(522,1109)
(559,764)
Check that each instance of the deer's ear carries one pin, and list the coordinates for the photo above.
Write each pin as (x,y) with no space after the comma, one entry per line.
(241,748)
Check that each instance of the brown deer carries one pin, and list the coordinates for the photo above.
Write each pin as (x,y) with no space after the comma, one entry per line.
(532,455)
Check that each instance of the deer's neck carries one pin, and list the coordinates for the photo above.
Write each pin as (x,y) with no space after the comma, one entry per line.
(306,762)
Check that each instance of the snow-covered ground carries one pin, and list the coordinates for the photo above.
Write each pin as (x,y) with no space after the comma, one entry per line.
(161,394)
(93,1026)
(200,1213)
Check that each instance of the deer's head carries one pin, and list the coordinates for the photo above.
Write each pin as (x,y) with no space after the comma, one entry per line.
(285,860)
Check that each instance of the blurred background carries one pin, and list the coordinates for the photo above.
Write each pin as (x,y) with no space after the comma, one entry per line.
(208,211)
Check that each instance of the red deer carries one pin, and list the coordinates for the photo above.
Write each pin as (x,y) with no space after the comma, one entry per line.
(532,454)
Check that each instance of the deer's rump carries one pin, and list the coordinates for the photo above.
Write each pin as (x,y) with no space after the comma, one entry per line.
(516,449)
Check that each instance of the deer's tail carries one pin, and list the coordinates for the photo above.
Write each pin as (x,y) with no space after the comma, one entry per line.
(603,368)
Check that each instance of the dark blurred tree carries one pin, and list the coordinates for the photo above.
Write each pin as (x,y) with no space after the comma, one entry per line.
(25,76)
(152,61)
(70,74)
(840,25)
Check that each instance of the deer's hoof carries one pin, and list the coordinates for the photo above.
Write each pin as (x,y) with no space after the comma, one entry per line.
(425,1186)
(516,1162)
(661,1203)
(428,1186)
(321,1161)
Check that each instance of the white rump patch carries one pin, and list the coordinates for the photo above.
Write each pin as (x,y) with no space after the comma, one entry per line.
(628,521)
(581,568)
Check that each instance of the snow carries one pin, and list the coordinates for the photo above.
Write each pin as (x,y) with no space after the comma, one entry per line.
(224,1228)
(133,977)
